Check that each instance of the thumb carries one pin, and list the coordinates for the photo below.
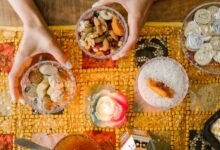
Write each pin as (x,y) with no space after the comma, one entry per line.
(103,2)
(60,57)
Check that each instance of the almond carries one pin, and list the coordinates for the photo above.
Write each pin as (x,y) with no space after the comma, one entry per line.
(106,45)
(113,35)
(97,21)
(99,30)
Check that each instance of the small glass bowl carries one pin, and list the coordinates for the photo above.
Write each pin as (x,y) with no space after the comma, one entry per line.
(70,87)
(212,67)
(77,142)
(149,104)
(88,14)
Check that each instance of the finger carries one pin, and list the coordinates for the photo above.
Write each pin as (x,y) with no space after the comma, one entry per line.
(132,39)
(60,57)
(105,2)
(15,74)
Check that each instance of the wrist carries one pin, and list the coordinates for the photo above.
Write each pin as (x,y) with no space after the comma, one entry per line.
(33,21)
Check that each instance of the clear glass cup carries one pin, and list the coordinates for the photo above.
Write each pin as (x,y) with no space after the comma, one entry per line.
(69,85)
(78,142)
(211,68)
(88,14)
(154,105)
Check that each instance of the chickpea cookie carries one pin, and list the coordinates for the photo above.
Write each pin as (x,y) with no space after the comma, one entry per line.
(204,57)
(215,42)
(194,41)
(192,27)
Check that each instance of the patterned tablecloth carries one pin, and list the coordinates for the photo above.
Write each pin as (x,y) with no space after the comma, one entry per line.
(179,126)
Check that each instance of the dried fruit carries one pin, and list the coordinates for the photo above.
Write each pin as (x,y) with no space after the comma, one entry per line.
(35,76)
(47,103)
(160,88)
(113,35)
(117,27)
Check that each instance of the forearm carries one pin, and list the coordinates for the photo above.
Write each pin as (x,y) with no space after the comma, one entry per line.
(28,12)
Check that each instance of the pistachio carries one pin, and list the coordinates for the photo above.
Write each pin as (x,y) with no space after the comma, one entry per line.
(88,30)
(104,28)
(84,34)
(88,25)
(113,35)
(94,35)
(99,39)
(104,24)
(84,44)
(91,42)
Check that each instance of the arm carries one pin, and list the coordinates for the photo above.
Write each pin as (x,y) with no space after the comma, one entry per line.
(36,39)
(137,13)
(28,13)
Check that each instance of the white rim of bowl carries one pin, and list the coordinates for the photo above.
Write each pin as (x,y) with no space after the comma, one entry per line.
(176,63)
(118,15)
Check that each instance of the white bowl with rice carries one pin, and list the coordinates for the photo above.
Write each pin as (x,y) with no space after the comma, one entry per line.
(162,71)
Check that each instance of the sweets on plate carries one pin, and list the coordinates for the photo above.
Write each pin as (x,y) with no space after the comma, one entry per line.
(202,35)
(101,32)
(47,86)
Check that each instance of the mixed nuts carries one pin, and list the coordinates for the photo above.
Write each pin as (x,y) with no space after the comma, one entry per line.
(102,33)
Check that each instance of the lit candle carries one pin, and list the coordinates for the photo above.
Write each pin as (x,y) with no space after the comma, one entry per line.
(108,109)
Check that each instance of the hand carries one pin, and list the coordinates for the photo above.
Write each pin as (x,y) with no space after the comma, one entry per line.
(137,12)
(35,40)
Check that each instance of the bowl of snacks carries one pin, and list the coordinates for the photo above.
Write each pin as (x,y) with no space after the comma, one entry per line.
(200,37)
(101,32)
(48,87)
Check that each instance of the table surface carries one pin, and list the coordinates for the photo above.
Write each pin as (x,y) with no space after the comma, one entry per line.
(66,12)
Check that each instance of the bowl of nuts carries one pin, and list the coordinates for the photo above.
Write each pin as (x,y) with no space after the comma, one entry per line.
(47,87)
(200,37)
(101,32)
